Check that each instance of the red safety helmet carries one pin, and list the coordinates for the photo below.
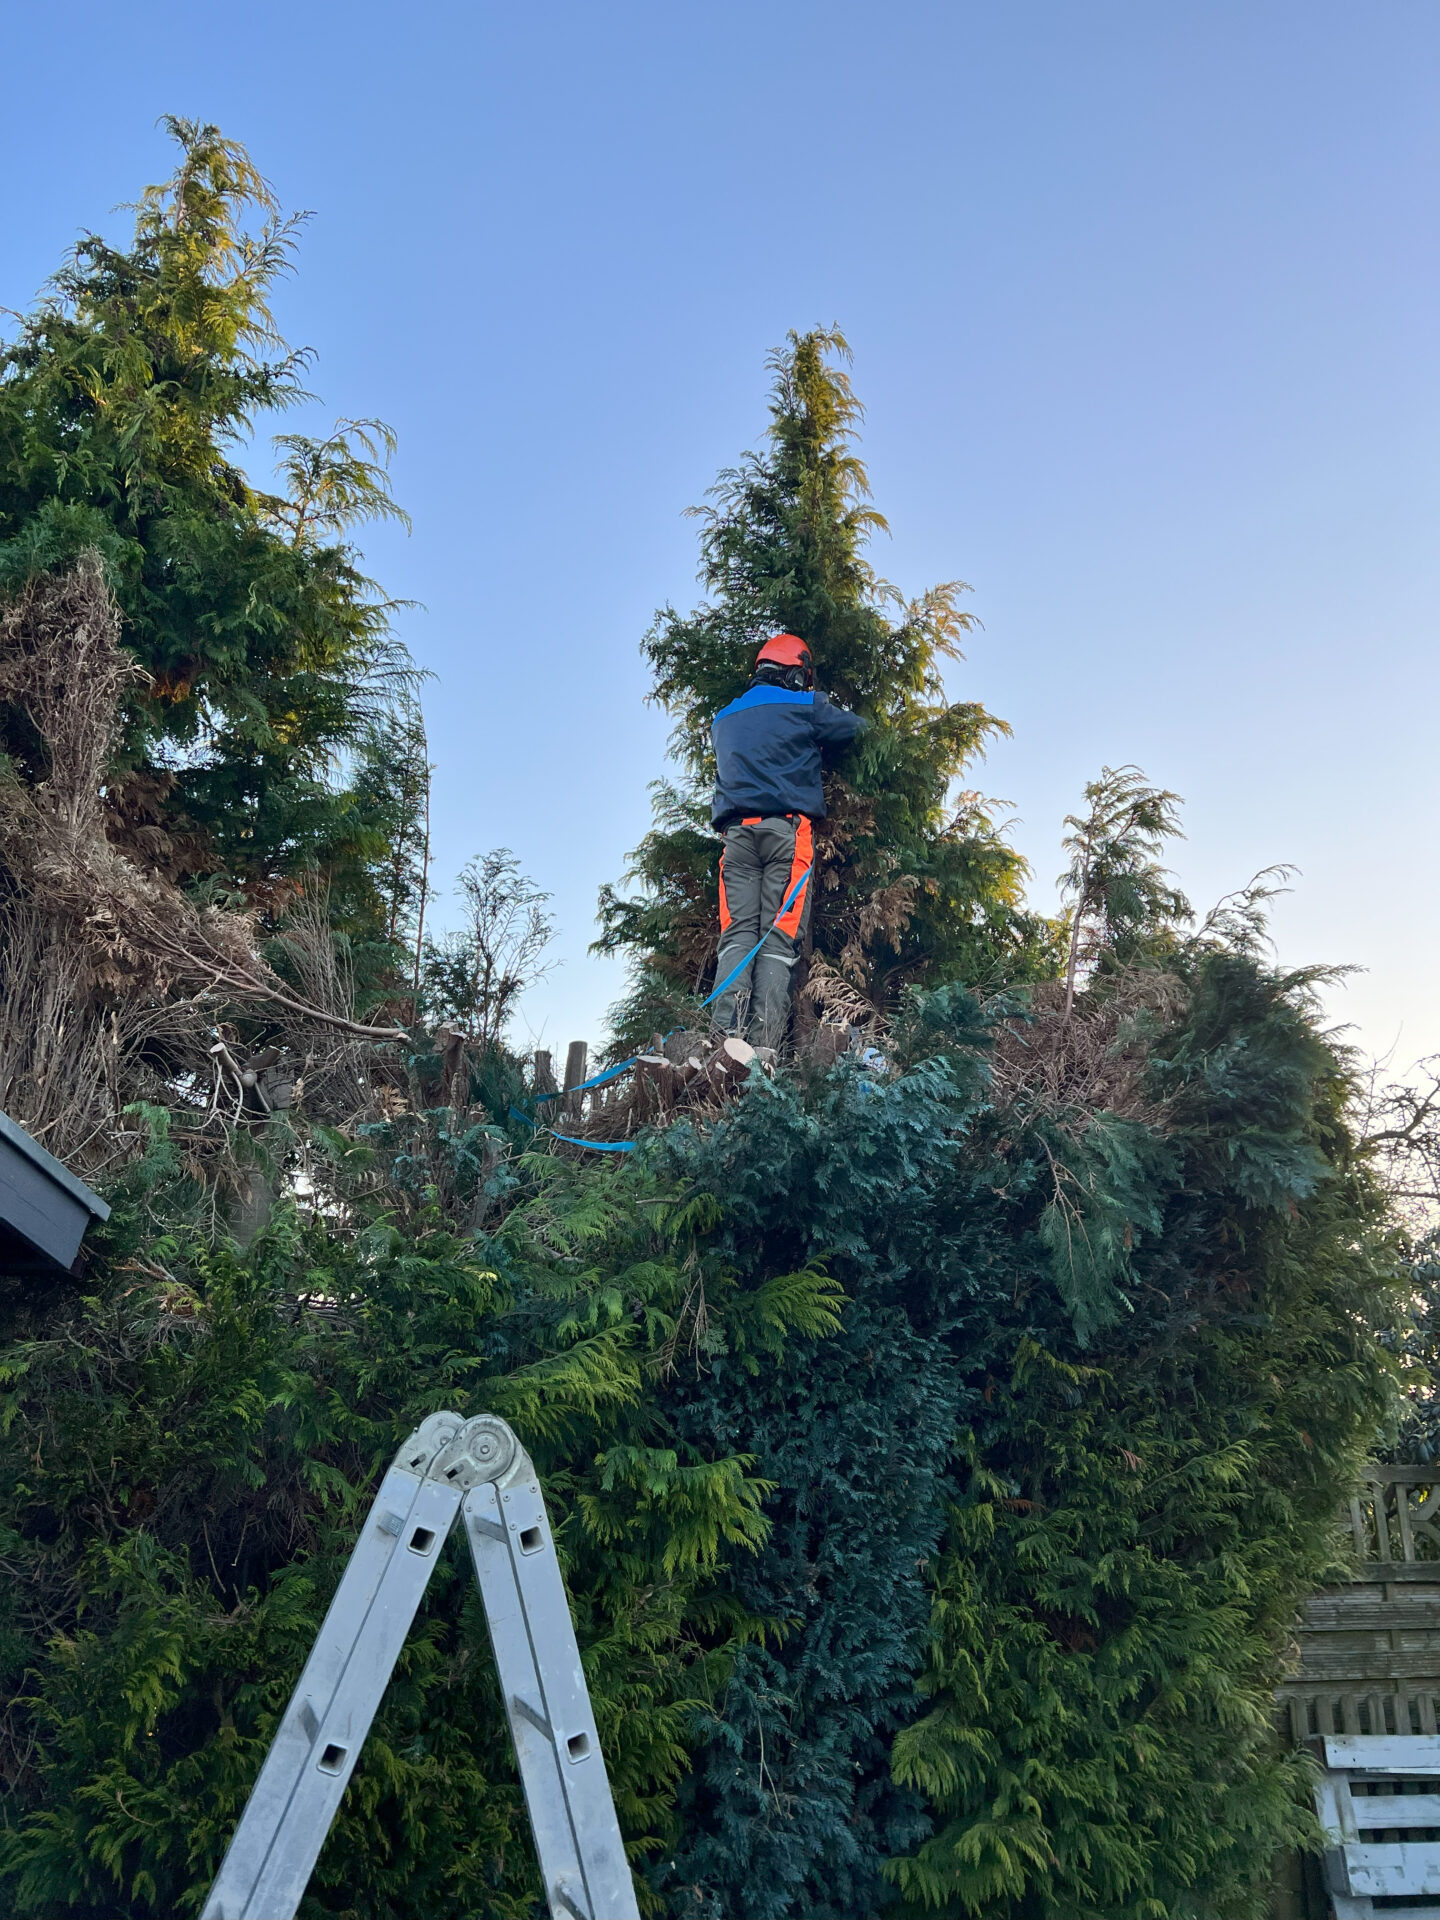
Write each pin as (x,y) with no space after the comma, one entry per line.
(785,650)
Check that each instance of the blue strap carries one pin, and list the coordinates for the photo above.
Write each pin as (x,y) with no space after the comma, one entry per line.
(600,1146)
(613,1073)
(596,1146)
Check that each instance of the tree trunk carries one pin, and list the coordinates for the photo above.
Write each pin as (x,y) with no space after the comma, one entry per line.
(574,1074)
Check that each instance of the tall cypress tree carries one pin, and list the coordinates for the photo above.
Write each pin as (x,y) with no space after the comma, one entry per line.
(125,399)
(914,880)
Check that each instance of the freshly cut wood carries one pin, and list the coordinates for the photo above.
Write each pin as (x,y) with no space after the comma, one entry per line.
(656,1084)
(731,1063)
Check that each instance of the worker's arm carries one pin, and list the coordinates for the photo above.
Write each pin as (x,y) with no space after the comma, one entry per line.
(835,728)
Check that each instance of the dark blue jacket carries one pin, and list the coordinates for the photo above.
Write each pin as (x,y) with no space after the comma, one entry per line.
(768,748)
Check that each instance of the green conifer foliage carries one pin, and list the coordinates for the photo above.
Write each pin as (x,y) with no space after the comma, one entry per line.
(124,402)
(1137,1516)
(1118,891)
(792,1809)
(1077,1489)
(185,1451)
(914,882)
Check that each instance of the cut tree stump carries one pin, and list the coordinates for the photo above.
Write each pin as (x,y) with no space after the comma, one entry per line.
(574,1073)
(686,1045)
(731,1064)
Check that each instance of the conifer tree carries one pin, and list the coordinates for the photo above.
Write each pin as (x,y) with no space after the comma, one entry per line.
(914,880)
(124,399)
(1068,1390)
(380,895)
(1117,889)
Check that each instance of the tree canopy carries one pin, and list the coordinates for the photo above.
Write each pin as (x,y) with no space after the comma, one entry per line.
(914,879)
(938,1440)
(126,401)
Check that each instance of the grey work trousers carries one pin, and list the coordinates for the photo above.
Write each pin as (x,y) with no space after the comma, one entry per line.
(761,863)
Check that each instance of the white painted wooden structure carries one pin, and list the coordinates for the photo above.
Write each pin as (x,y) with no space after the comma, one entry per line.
(1379,1802)
(1368,1666)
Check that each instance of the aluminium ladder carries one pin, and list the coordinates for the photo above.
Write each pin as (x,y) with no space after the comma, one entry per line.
(447,1466)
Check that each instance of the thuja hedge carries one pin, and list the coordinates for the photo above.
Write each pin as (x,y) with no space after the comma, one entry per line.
(936,1470)
(187,1447)
(1072,1484)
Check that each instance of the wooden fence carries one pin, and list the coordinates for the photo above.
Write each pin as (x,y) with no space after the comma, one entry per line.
(1370,1650)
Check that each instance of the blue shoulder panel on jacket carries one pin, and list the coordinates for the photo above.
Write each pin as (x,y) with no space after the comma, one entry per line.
(765,697)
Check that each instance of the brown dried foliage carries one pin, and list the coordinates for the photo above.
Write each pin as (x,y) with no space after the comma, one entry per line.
(839,1003)
(110,978)
(1092,1062)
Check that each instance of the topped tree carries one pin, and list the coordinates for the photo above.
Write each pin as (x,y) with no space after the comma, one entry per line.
(914,880)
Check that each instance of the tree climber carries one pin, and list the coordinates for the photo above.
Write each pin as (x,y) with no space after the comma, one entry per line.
(769,751)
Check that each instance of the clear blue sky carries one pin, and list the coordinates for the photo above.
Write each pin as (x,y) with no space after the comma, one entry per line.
(1143,300)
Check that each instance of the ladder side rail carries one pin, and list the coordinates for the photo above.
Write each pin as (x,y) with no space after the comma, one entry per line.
(556,1846)
(341,1734)
(547,1703)
(298,1790)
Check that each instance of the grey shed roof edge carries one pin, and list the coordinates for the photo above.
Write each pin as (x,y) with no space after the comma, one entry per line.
(54,1169)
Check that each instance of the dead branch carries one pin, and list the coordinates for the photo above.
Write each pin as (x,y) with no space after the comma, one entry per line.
(61,664)
(111,979)
(1093,1062)
(834,997)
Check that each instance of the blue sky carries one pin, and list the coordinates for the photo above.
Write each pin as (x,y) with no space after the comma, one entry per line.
(1143,301)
